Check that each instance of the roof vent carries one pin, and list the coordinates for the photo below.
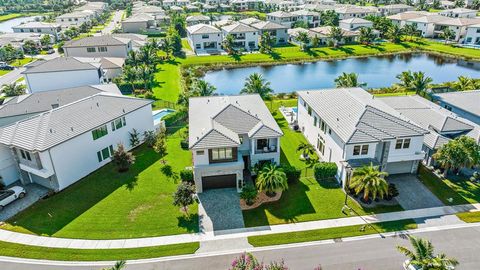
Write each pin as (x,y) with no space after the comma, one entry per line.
(97,105)
(51,131)
(71,128)
(123,110)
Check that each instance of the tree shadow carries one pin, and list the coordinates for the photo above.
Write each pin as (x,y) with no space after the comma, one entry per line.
(275,55)
(236,56)
(167,170)
(188,222)
(346,50)
(379,48)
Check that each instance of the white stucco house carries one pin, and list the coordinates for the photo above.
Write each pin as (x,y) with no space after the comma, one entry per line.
(277,31)
(425,24)
(98,46)
(139,23)
(204,38)
(457,25)
(473,35)
(394,9)
(231,136)
(39,27)
(83,133)
(245,36)
(463,103)
(197,19)
(282,17)
(310,18)
(62,72)
(351,11)
(75,18)
(355,24)
(459,13)
(352,128)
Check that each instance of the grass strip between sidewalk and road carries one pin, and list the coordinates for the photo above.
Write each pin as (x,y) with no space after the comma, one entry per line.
(66,254)
(330,233)
(469,217)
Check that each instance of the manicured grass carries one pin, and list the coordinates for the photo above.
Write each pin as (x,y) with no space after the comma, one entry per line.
(64,254)
(439,47)
(331,233)
(12,16)
(112,205)
(22,62)
(185,45)
(448,191)
(469,217)
(307,199)
(3,72)
(167,81)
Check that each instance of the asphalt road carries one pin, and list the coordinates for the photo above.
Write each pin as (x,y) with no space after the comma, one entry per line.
(365,254)
(11,76)
(117,17)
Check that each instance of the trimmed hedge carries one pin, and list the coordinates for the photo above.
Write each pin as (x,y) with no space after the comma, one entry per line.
(293,174)
(186,176)
(325,170)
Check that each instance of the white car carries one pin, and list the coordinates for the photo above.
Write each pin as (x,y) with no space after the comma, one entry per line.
(10,195)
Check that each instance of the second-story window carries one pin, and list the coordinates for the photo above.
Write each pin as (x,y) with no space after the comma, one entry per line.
(91,49)
(118,123)
(402,144)
(314,121)
(309,110)
(360,150)
(99,132)
(205,36)
(102,49)
(25,155)
(222,153)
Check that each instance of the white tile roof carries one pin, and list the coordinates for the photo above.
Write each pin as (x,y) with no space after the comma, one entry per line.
(202,29)
(466,100)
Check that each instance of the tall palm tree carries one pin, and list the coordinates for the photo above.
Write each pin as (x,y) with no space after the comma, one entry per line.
(271,178)
(450,156)
(129,76)
(145,73)
(348,80)
(394,33)
(336,34)
(13,89)
(464,83)
(229,44)
(202,88)
(167,47)
(266,43)
(306,149)
(447,34)
(423,256)
(256,84)
(366,35)
(420,82)
(369,180)
(304,40)
(405,78)
(410,30)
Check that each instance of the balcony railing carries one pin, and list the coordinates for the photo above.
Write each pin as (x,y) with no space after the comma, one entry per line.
(265,150)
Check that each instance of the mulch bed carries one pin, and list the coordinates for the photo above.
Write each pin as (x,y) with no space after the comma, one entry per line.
(261,199)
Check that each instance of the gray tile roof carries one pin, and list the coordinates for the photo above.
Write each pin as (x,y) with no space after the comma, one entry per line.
(280,14)
(195,18)
(56,126)
(466,100)
(62,64)
(238,28)
(202,29)
(104,40)
(250,21)
(268,26)
(219,120)
(45,100)
(356,116)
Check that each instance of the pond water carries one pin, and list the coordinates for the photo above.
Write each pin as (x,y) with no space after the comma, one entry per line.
(377,71)
(6,26)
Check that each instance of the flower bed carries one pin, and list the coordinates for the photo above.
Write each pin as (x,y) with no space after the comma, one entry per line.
(261,199)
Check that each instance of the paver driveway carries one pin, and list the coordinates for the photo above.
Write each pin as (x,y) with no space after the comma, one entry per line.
(219,209)
(412,193)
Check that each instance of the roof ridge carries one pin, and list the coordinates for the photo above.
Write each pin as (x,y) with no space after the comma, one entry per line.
(402,122)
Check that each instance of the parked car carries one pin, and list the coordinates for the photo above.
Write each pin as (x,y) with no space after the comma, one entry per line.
(10,195)
(50,51)
(5,66)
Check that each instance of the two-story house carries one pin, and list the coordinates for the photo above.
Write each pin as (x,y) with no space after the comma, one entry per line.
(75,18)
(62,72)
(228,135)
(462,103)
(277,32)
(98,46)
(245,36)
(204,38)
(352,128)
(42,28)
(57,148)
(284,18)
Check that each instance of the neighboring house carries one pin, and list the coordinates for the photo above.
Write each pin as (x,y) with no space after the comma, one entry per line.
(250,21)
(230,137)
(112,68)
(245,5)
(294,33)
(62,72)
(150,10)
(473,35)
(204,38)
(282,17)
(139,23)
(276,31)
(59,147)
(457,25)
(442,124)
(18,39)
(245,36)
(75,18)
(24,106)
(197,19)
(98,46)
(464,103)
(323,32)
(351,11)
(138,40)
(352,128)
(459,13)
(401,18)
(425,24)
(39,27)
(355,24)
(394,9)
(309,18)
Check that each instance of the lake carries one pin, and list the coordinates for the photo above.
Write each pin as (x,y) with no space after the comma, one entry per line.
(6,26)
(376,71)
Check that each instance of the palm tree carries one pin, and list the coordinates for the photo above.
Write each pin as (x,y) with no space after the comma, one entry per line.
(306,149)
(447,34)
(410,30)
(348,80)
(394,33)
(13,89)
(420,82)
(271,178)
(369,180)
(464,83)
(229,44)
(145,73)
(336,34)
(366,35)
(118,266)
(133,58)
(266,43)
(256,84)
(450,156)
(129,76)
(405,78)
(423,256)
(167,47)
(304,39)
(202,88)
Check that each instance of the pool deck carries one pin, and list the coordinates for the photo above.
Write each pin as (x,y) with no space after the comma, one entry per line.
(289,114)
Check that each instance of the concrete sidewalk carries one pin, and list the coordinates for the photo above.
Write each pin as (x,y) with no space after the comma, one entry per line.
(33,240)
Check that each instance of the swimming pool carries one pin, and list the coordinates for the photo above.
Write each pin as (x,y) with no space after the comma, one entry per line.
(295,109)
(160,114)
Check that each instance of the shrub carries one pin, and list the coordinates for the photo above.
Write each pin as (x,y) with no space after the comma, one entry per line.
(184,196)
(122,158)
(249,194)
(325,170)
(186,175)
(184,144)
(293,174)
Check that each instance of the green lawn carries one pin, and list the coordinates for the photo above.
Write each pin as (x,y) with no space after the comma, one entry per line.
(167,81)
(185,45)
(330,233)
(10,16)
(112,205)
(469,217)
(22,62)
(460,191)
(3,72)
(308,199)
(65,254)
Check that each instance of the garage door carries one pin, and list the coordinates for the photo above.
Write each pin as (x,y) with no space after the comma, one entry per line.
(399,167)
(219,181)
